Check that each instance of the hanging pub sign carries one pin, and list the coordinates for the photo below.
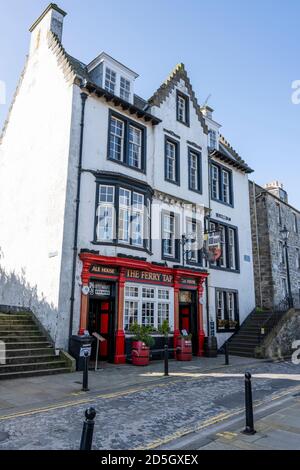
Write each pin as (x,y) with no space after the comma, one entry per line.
(149,276)
(99,269)
(213,246)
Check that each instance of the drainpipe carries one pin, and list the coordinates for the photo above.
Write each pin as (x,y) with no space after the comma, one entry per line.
(207,228)
(257,241)
(75,247)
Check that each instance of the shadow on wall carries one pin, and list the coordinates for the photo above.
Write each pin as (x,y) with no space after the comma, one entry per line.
(15,291)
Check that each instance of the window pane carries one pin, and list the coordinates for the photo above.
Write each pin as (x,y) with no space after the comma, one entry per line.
(110,80)
(231,249)
(105,213)
(168,235)
(171,161)
(148,314)
(124,89)
(148,293)
(116,139)
(194,171)
(124,215)
(135,147)
(130,314)
(163,313)
(181,109)
(226,192)
(215,182)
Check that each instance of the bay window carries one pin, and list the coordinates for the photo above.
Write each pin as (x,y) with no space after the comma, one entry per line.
(123,216)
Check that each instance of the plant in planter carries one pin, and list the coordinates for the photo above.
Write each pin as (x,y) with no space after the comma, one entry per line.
(164,329)
(141,343)
(222,323)
(233,324)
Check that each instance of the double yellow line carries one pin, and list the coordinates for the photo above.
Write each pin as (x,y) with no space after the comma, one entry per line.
(69,404)
(211,421)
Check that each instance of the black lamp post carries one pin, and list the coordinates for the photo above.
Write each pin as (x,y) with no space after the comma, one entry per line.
(285,236)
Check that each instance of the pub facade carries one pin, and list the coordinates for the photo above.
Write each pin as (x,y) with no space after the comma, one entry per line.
(134,187)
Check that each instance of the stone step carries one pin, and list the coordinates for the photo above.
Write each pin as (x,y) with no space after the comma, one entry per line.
(29,352)
(15,315)
(13,328)
(16,322)
(7,368)
(23,339)
(33,373)
(31,359)
(28,332)
(28,345)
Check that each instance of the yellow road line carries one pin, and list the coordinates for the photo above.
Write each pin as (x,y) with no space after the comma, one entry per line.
(209,422)
(82,402)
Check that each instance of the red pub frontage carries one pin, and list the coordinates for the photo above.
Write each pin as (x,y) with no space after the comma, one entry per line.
(117,291)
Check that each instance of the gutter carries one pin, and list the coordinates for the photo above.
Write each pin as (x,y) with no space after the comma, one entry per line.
(75,245)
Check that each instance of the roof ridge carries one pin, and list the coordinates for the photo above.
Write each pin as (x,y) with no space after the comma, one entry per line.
(159,96)
(63,57)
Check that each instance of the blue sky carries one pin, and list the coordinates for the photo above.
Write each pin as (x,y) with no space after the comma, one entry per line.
(246,54)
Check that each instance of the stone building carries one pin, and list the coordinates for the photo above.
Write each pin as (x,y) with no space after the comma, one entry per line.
(112,193)
(271,213)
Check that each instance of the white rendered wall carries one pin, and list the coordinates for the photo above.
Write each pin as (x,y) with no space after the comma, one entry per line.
(243,281)
(33,177)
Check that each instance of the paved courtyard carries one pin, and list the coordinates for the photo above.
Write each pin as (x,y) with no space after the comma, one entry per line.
(145,410)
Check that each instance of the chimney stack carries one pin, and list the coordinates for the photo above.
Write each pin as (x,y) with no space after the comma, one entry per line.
(51,19)
(207,111)
(276,188)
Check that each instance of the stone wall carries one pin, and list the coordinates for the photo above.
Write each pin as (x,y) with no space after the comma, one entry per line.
(266,234)
(278,345)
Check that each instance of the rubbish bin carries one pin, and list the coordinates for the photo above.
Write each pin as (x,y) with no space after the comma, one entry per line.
(210,346)
(77,345)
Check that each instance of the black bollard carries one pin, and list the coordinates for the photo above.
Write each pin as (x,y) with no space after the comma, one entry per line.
(88,429)
(226,350)
(166,360)
(85,379)
(249,405)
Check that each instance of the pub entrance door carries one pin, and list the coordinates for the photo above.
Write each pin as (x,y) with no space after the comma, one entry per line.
(102,321)
(188,316)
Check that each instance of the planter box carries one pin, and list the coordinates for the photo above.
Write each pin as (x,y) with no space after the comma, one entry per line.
(185,352)
(140,354)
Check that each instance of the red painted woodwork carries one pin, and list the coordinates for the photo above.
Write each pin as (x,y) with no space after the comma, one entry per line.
(183,349)
(140,354)
(128,263)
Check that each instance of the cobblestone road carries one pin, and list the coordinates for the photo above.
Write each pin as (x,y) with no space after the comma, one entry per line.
(140,418)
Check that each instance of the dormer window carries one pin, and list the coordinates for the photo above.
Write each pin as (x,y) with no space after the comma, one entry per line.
(110,80)
(125,89)
(182,110)
(212,143)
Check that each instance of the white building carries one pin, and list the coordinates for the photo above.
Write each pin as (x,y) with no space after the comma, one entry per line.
(97,187)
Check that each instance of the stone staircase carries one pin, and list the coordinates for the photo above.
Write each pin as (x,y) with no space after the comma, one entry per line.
(247,338)
(28,352)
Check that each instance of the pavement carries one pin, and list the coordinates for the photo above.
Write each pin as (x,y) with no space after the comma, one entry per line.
(138,408)
(279,430)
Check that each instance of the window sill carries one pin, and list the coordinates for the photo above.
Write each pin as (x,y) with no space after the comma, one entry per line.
(122,245)
(197,191)
(187,124)
(118,162)
(219,268)
(222,202)
(177,183)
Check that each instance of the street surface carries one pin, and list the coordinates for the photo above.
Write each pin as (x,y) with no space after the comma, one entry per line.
(150,417)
